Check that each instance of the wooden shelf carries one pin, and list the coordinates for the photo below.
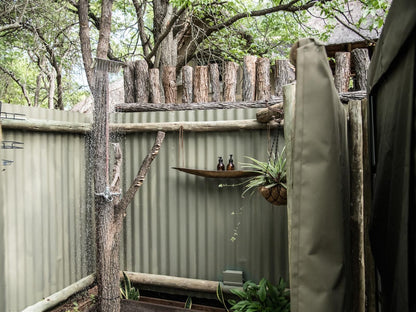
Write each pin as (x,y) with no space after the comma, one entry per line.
(218,173)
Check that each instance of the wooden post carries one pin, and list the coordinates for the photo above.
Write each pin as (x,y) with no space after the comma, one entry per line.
(289,103)
(187,72)
(361,61)
(214,75)
(230,81)
(201,84)
(284,73)
(141,77)
(128,74)
(154,86)
(357,206)
(169,83)
(370,278)
(249,78)
(263,79)
(342,71)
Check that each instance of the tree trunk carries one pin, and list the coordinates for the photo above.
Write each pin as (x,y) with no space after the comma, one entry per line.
(201,84)
(249,78)
(361,62)
(128,74)
(154,86)
(169,83)
(187,72)
(51,91)
(230,81)
(342,71)
(141,81)
(263,79)
(284,74)
(60,101)
(214,77)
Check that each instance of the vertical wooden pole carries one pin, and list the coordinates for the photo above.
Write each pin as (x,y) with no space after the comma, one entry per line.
(263,79)
(201,84)
(169,84)
(284,73)
(214,75)
(249,78)
(342,71)
(128,74)
(141,77)
(154,86)
(289,103)
(361,61)
(230,81)
(357,205)
(187,80)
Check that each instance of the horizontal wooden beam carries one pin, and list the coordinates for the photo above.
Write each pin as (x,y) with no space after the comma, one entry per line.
(84,128)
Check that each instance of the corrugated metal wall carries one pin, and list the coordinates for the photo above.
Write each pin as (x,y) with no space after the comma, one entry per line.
(44,210)
(178,224)
(183,225)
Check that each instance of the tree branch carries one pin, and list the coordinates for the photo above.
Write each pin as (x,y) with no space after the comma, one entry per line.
(120,208)
(17,80)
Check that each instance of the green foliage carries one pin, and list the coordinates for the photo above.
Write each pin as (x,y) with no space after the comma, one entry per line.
(188,303)
(264,297)
(271,173)
(127,291)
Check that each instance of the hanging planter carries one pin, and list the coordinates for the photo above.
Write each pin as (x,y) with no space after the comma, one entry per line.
(276,195)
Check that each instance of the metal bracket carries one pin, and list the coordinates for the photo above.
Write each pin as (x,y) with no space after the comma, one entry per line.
(11,145)
(108,196)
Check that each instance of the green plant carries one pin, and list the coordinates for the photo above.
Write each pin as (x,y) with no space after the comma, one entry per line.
(188,303)
(270,173)
(262,297)
(127,291)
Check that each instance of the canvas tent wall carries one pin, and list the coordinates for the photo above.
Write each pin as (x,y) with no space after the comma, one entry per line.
(392,99)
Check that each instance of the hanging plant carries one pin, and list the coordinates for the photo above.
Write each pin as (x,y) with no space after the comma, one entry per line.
(271,178)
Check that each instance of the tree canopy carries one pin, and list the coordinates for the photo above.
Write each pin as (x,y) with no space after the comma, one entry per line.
(45,45)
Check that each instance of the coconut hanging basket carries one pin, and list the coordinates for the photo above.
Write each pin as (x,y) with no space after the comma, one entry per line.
(276,195)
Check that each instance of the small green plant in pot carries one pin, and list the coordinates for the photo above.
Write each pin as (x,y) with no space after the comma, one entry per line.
(271,178)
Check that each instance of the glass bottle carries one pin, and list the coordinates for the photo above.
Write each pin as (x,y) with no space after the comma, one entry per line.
(220,165)
(230,165)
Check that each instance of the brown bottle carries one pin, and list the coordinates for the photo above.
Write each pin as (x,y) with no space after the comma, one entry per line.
(220,165)
(230,165)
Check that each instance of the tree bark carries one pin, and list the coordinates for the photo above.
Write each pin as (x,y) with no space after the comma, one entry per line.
(187,72)
(284,74)
(230,81)
(249,78)
(214,75)
(201,84)
(141,81)
(270,113)
(84,36)
(342,71)
(361,61)
(263,79)
(51,91)
(154,86)
(169,84)
(128,74)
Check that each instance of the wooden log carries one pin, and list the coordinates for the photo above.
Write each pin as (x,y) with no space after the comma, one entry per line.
(193,126)
(62,295)
(128,74)
(201,84)
(37,125)
(342,71)
(249,78)
(361,61)
(269,113)
(263,79)
(169,84)
(149,107)
(187,78)
(214,78)
(230,81)
(141,78)
(154,86)
(289,103)
(357,206)
(284,73)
